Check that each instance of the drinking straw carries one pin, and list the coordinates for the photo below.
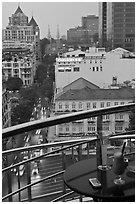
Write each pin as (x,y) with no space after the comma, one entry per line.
(123,148)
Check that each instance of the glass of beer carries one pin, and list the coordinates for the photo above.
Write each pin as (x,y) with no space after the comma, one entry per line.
(119,167)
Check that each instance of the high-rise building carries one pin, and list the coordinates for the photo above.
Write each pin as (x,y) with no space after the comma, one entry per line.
(117,24)
(85,34)
(102,23)
(21,30)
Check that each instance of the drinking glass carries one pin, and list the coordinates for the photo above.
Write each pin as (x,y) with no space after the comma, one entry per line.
(119,167)
(104,165)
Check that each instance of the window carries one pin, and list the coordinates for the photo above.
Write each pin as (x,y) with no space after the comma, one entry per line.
(60,105)
(93,69)
(76,69)
(73,105)
(67,128)
(122,103)
(101,68)
(74,129)
(97,69)
(121,116)
(80,105)
(115,103)
(107,117)
(91,128)
(88,105)
(116,116)
(94,105)
(118,128)
(80,129)
(93,118)
(102,104)
(108,104)
(66,106)
(106,128)
(60,129)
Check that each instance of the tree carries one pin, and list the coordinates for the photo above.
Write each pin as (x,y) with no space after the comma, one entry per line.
(29,94)
(43,43)
(46,88)
(21,113)
(41,73)
(14,84)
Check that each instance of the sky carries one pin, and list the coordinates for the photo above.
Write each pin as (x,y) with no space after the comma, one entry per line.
(65,14)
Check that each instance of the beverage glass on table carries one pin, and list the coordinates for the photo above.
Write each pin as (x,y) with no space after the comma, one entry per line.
(104,165)
(119,167)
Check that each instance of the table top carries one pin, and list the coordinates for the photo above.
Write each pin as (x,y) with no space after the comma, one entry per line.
(76,177)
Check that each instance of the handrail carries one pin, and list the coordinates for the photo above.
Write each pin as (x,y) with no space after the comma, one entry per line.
(47,122)
(63,196)
(56,120)
(40,146)
(32,184)
(44,155)
(122,137)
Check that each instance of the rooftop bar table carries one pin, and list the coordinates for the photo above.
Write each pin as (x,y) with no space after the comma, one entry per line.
(76,177)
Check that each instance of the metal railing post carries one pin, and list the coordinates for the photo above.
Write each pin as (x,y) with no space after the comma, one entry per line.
(87,149)
(64,167)
(79,150)
(98,148)
(19,183)
(28,165)
(9,180)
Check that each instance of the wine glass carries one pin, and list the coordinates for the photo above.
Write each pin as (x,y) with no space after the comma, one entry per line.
(119,167)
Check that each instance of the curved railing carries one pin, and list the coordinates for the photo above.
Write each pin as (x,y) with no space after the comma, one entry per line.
(64,145)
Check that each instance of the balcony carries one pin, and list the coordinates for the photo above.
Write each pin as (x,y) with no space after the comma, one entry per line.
(48,186)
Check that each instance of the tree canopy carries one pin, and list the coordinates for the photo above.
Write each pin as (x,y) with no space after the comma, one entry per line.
(41,73)
(14,84)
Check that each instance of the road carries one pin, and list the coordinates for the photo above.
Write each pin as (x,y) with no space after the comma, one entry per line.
(46,167)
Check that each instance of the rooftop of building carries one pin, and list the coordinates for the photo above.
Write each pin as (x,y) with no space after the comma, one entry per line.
(18,10)
(80,83)
(86,93)
(32,22)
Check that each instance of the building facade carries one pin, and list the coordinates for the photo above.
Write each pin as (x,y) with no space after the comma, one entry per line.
(6,108)
(19,62)
(85,34)
(91,97)
(95,65)
(117,24)
(22,31)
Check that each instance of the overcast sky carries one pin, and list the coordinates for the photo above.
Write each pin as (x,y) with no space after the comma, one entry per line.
(65,14)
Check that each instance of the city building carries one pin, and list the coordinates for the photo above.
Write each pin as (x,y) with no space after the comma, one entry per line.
(6,108)
(117,25)
(19,62)
(85,34)
(83,95)
(102,24)
(95,65)
(20,31)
